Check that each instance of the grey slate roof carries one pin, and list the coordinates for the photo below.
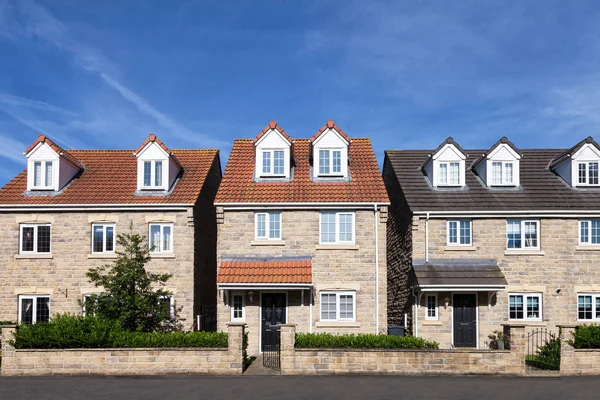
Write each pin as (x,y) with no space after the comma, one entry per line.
(449,272)
(541,188)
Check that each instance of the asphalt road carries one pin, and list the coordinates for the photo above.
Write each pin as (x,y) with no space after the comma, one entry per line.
(297,387)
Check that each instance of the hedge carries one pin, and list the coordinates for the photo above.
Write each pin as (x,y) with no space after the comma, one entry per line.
(361,341)
(79,332)
(586,337)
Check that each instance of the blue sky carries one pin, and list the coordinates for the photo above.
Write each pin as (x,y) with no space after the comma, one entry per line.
(105,74)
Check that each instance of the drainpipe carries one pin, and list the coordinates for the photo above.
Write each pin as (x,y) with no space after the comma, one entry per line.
(415,312)
(376,225)
(310,303)
(427,238)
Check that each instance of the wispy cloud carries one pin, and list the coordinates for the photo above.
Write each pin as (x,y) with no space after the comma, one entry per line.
(12,149)
(38,23)
(11,100)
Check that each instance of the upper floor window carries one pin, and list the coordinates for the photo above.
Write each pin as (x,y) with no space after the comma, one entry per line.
(587,173)
(337,227)
(43,177)
(459,232)
(589,231)
(525,306)
(103,238)
(588,307)
(153,174)
(35,238)
(522,234)
(267,225)
(449,173)
(502,173)
(34,309)
(338,306)
(330,162)
(161,238)
(273,162)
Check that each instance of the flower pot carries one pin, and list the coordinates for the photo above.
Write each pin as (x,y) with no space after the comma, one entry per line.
(500,343)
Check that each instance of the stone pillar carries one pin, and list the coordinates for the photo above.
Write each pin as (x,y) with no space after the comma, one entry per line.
(236,332)
(518,343)
(567,352)
(287,348)
(8,351)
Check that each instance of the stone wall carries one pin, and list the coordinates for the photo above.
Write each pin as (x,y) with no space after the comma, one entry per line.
(402,362)
(341,267)
(62,274)
(225,361)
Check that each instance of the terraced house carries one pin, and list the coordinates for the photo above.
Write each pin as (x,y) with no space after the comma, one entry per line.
(301,235)
(481,238)
(62,214)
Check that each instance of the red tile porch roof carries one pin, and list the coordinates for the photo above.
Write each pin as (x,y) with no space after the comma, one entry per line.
(284,270)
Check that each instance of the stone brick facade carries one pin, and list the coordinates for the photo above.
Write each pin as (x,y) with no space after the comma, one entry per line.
(402,362)
(333,267)
(217,361)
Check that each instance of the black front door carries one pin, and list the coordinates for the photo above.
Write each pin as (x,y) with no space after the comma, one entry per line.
(465,320)
(273,314)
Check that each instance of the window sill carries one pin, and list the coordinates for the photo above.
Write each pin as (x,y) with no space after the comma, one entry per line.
(267,243)
(526,323)
(338,247)
(30,256)
(432,323)
(523,253)
(460,248)
(100,255)
(162,256)
(333,324)
(588,248)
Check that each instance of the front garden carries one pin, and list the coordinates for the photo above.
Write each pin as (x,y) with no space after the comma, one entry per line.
(361,341)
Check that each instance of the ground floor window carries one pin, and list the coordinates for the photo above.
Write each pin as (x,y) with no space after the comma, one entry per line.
(432,307)
(338,306)
(167,305)
(525,306)
(34,309)
(238,309)
(588,307)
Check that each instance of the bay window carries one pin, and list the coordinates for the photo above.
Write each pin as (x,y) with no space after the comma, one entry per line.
(338,306)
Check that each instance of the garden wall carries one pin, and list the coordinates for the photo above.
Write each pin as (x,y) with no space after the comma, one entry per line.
(217,361)
(577,361)
(402,362)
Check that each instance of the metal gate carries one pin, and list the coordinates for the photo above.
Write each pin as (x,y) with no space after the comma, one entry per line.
(543,350)
(271,347)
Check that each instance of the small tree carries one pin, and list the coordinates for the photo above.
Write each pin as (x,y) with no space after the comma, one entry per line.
(131,294)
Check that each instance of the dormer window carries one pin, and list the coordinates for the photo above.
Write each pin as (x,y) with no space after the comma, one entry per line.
(330,162)
(158,168)
(502,173)
(499,166)
(446,167)
(273,162)
(330,152)
(587,173)
(153,174)
(43,175)
(449,173)
(273,153)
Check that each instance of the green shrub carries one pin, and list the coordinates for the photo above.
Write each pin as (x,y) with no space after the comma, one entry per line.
(361,341)
(3,323)
(586,337)
(547,355)
(65,331)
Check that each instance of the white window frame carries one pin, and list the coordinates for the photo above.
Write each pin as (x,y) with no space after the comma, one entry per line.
(458,243)
(34,297)
(594,296)
(586,164)
(330,150)
(267,215)
(35,238)
(104,226)
(589,232)
(522,229)
(43,176)
(337,227)
(84,297)
(271,172)
(447,182)
(503,181)
(232,307)
(437,313)
(152,185)
(171,299)
(337,305)
(540,296)
(162,227)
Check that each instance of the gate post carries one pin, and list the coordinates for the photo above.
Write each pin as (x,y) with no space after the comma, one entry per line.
(288,341)
(235,348)
(518,343)
(8,351)
(567,352)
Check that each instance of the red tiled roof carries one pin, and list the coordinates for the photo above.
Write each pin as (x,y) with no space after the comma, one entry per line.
(365,184)
(110,177)
(59,150)
(330,125)
(265,270)
(272,125)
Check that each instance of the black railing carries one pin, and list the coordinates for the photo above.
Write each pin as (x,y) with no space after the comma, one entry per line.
(543,350)
(271,347)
